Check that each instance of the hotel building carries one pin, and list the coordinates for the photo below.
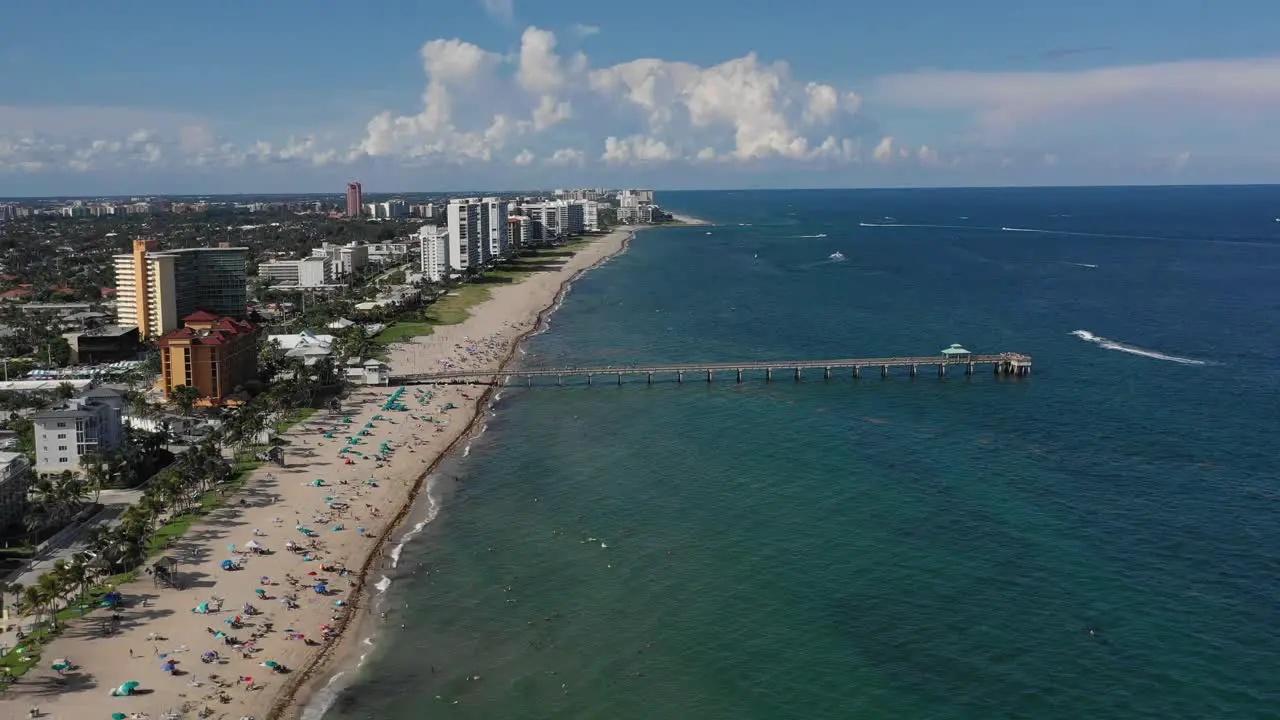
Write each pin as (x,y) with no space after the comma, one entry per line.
(215,355)
(155,289)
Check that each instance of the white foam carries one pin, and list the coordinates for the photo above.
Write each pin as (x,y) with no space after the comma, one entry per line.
(324,699)
(1133,350)
(819,235)
(1084,265)
(383,583)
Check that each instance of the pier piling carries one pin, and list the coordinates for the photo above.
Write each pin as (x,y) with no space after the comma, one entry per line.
(826,373)
(709,375)
(797,374)
(739,374)
(680,377)
(588,378)
(884,371)
(913,371)
(650,374)
(857,372)
(619,378)
(768,374)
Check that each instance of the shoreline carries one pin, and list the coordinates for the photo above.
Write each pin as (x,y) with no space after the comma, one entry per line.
(296,697)
(363,506)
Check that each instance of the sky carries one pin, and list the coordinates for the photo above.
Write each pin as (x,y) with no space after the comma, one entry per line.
(148,97)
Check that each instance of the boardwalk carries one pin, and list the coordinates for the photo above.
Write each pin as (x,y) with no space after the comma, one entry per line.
(1002,364)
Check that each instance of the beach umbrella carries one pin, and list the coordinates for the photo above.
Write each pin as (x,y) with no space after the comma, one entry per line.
(168,667)
(118,716)
(227,564)
(271,664)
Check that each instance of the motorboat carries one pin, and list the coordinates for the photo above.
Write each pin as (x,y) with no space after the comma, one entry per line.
(836,256)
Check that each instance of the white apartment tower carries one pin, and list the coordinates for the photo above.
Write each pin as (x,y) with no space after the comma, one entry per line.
(435,252)
(495,211)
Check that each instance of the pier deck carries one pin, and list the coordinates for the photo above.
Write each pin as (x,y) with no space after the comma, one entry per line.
(1014,364)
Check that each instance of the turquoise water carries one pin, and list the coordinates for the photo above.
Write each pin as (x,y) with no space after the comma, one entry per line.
(876,548)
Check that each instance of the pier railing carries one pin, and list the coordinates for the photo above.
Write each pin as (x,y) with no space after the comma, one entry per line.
(1014,364)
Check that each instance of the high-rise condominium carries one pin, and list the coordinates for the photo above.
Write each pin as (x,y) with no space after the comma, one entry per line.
(156,289)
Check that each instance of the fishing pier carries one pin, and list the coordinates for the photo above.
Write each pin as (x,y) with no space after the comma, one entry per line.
(954,358)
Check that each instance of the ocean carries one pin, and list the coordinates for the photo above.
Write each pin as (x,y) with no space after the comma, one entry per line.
(1098,540)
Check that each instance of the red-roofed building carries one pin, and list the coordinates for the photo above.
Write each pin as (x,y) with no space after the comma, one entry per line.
(107,292)
(215,355)
(8,278)
(15,294)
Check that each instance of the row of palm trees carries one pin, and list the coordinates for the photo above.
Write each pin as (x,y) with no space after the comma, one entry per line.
(199,475)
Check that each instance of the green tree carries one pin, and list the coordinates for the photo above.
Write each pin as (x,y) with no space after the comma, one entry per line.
(184,396)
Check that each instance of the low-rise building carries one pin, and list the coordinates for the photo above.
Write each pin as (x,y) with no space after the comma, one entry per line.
(215,355)
(306,345)
(315,271)
(106,344)
(68,431)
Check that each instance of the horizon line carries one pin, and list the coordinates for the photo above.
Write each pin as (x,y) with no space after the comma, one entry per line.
(472,191)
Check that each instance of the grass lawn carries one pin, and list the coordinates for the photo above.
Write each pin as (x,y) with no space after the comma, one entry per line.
(455,306)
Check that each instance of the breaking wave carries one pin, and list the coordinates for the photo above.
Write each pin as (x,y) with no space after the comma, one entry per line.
(1133,350)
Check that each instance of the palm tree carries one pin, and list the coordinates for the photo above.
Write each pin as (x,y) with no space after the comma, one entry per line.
(184,396)
(97,472)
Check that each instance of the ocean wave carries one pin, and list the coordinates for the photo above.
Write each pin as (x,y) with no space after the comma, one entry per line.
(324,699)
(433,509)
(819,235)
(1132,349)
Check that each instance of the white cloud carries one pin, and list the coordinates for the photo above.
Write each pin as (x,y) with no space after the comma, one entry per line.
(1160,94)
(502,10)
(567,156)
(549,112)
(525,157)
(927,155)
(584,31)
(1181,159)
(635,149)
(475,104)
(823,101)
(540,69)
(883,153)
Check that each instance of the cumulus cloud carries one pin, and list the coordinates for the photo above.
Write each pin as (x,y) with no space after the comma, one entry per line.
(567,156)
(502,10)
(524,158)
(883,153)
(1001,103)
(637,148)
(584,31)
(744,109)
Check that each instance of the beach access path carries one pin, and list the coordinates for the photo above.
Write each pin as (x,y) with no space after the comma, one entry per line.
(306,635)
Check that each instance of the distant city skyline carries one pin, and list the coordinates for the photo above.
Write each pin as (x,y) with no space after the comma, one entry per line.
(506,93)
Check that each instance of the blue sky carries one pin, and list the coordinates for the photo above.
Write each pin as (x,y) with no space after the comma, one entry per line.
(141,96)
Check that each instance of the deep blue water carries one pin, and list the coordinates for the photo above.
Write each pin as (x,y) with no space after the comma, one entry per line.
(876,548)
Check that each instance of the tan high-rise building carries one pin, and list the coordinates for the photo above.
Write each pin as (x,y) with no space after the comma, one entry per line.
(156,289)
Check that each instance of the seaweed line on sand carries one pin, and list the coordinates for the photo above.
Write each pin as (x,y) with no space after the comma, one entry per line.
(291,691)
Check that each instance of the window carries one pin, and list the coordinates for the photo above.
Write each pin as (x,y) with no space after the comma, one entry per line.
(62,448)
(62,460)
(62,436)
(62,424)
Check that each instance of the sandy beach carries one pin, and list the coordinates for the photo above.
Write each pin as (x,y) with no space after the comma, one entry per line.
(323,523)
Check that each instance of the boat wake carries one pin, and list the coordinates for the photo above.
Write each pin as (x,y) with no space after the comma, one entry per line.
(819,235)
(1084,265)
(1133,350)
